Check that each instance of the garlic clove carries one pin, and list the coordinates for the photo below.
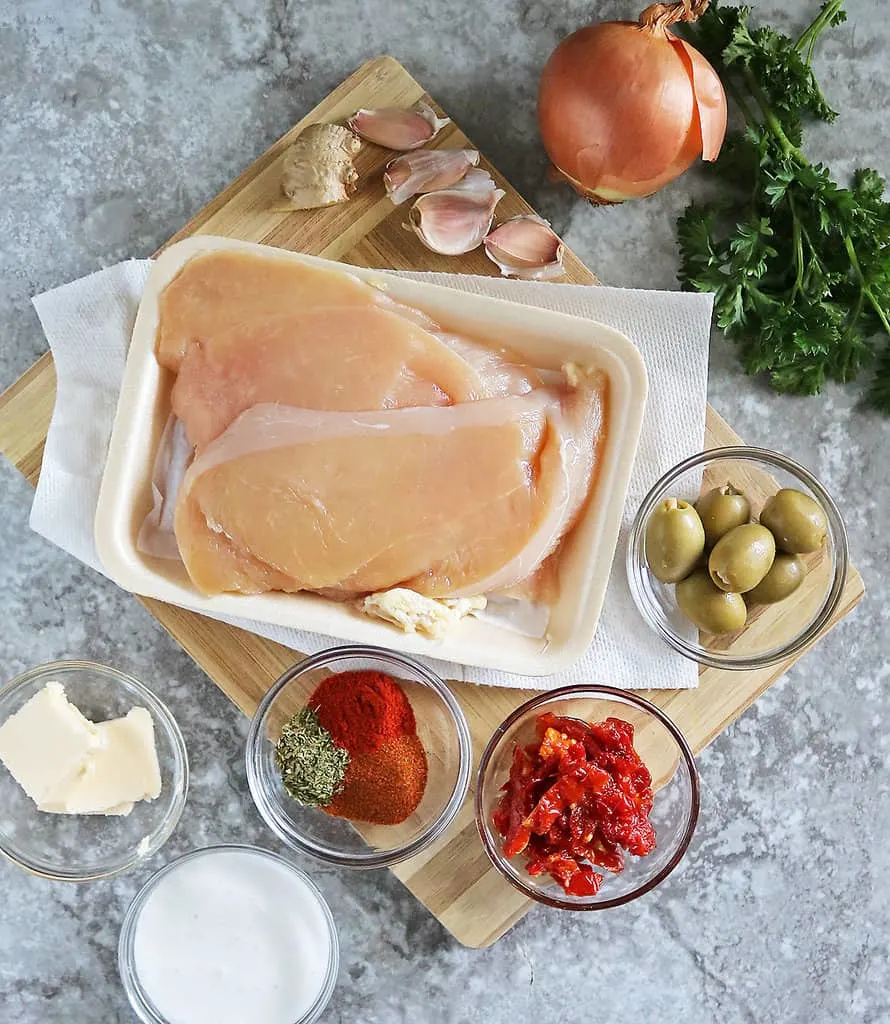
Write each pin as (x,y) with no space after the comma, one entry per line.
(427,170)
(475,180)
(454,221)
(396,128)
(710,99)
(526,247)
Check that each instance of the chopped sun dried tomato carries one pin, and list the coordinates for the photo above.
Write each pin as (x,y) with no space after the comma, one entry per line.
(578,797)
(515,804)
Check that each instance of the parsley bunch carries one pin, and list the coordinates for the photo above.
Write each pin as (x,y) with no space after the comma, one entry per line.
(800,266)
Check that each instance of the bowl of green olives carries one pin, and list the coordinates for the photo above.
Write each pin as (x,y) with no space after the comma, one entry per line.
(737,558)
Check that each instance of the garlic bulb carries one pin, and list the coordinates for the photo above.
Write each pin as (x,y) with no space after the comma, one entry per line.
(454,221)
(396,128)
(426,170)
(526,247)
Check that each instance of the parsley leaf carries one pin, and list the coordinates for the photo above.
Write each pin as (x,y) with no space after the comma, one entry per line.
(799,266)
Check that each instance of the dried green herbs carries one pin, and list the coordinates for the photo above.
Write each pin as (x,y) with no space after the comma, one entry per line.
(312,766)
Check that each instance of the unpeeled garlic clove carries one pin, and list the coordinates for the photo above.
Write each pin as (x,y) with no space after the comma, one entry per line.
(475,180)
(526,247)
(428,170)
(396,128)
(454,221)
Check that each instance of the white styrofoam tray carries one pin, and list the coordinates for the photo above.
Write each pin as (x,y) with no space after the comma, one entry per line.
(544,338)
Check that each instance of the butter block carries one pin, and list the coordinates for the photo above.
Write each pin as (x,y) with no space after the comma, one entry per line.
(69,765)
(45,744)
(119,773)
(416,613)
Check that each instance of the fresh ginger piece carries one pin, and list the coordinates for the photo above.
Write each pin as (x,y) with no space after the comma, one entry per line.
(318,169)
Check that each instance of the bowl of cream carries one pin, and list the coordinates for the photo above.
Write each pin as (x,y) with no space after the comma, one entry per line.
(229,935)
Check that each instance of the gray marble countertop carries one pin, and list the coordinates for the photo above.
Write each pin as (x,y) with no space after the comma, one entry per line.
(119,120)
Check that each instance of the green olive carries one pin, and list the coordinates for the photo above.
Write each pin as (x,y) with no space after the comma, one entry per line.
(675,540)
(785,576)
(721,510)
(710,608)
(796,521)
(742,557)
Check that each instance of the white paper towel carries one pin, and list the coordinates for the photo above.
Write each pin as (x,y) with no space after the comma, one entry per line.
(88,325)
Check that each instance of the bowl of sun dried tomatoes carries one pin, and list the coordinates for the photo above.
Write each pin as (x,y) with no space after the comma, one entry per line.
(587,797)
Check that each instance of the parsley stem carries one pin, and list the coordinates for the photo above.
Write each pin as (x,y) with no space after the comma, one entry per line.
(739,99)
(798,249)
(857,270)
(813,250)
(811,33)
(879,311)
(772,122)
(847,371)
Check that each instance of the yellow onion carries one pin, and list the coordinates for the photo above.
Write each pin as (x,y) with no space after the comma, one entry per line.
(625,107)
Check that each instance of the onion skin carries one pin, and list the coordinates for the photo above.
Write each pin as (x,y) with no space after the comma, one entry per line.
(709,97)
(624,108)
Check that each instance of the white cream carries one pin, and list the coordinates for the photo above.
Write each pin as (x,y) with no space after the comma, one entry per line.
(232,937)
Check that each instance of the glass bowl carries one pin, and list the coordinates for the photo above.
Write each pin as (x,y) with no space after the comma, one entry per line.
(85,847)
(772,633)
(138,989)
(443,732)
(662,748)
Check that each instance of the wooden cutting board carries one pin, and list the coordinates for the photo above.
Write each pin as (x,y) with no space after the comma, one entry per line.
(453,879)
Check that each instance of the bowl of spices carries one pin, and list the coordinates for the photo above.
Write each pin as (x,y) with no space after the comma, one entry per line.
(359,757)
(586,797)
(228,934)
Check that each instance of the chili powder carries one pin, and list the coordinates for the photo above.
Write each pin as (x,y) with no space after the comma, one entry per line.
(383,787)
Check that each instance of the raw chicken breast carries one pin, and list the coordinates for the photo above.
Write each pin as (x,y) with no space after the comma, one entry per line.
(226,289)
(336,358)
(499,371)
(242,330)
(361,502)
(171,462)
(569,462)
(327,438)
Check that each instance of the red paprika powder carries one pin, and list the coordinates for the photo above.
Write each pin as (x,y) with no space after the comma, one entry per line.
(361,710)
(368,714)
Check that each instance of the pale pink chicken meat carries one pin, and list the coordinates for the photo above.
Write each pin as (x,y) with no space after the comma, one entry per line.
(570,462)
(499,372)
(345,443)
(329,358)
(360,502)
(225,289)
(309,338)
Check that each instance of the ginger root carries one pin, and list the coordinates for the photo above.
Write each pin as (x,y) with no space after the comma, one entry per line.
(318,168)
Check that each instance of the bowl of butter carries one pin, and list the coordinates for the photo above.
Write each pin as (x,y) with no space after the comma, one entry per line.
(93,771)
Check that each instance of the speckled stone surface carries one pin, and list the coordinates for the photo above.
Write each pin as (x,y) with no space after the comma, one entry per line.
(120,118)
